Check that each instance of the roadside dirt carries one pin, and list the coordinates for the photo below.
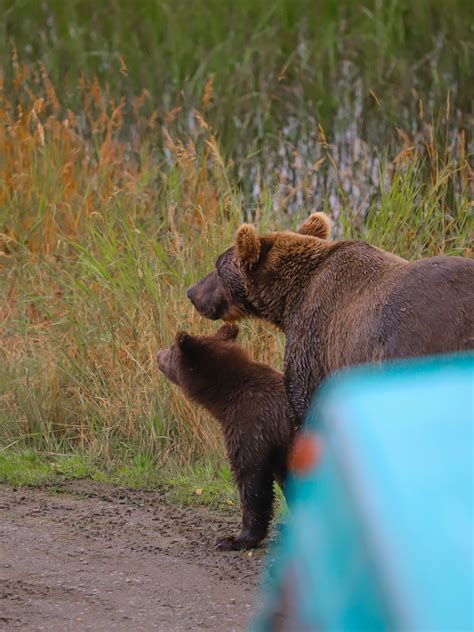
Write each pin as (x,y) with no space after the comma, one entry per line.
(94,557)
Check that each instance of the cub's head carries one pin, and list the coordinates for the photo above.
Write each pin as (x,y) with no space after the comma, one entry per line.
(194,358)
(239,285)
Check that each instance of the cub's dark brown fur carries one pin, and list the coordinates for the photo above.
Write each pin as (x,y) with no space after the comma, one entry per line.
(339,303)
(249,400)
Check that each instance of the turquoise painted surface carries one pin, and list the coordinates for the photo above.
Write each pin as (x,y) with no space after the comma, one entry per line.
(381,532)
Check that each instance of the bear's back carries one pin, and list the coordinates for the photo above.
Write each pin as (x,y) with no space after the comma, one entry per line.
(363,304)
(430,309)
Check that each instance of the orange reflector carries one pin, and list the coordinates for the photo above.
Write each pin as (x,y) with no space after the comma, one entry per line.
(304,454)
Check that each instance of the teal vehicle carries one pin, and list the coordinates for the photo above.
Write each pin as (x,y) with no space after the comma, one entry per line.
(380,533)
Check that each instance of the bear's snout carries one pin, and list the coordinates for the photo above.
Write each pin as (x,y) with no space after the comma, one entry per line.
(209,297)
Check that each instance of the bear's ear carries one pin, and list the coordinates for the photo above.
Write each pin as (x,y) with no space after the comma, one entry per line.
(229,331)
(247,244)
(186,343)
(317,225)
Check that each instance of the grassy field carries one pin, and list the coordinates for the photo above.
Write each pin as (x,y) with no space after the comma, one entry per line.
(133,140)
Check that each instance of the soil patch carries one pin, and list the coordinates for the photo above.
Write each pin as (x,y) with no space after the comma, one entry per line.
(94,557)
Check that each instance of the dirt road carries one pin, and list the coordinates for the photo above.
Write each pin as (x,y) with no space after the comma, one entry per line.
(93,557)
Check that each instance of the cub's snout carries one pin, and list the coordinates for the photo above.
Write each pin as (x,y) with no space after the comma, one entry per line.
(167,363)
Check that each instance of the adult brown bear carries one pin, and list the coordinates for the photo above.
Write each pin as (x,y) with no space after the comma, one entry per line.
(340,303)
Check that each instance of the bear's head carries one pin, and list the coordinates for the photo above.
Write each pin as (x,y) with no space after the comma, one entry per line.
(221,294)
(193,361)
(254,276)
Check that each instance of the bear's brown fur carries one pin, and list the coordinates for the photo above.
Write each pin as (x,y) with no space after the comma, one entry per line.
(340,303)
(249,400)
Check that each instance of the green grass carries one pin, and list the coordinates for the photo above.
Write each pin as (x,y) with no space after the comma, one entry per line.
(34,468)
(167,46)
(203,484)
(21,469)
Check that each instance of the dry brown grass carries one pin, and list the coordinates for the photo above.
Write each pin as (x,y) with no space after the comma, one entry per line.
(98,242)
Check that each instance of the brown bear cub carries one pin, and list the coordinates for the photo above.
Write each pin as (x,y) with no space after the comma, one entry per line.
(249,401)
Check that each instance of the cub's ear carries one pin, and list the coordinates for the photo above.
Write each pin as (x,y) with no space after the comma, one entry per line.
(247,244)
(186,343)
(317,225)
(229,331)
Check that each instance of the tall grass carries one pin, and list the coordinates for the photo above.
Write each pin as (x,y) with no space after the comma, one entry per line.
(98,245)
(99,239)
(134,137)
(266,73)
(248,47)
